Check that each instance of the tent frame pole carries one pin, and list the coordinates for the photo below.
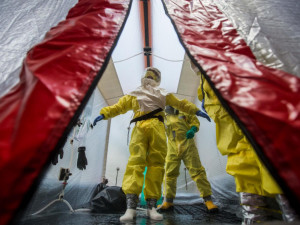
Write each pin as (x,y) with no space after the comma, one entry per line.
(106,150)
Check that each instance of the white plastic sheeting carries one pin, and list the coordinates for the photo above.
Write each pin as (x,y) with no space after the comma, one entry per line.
(22,25)
(271,28)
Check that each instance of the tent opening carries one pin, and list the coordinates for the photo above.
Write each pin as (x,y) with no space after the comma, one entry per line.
(88,168)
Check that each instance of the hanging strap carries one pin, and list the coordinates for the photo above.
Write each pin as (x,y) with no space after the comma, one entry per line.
(203,93)
(149,116)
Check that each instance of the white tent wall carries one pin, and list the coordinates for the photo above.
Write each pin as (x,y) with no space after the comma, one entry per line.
(167,52)
(128,55)
(24,24)
(81,183)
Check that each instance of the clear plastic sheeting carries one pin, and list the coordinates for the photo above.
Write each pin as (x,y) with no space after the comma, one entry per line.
(81,183)
(22,26)
(270,27)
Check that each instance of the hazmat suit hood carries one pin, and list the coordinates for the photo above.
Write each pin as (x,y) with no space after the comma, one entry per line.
(151,76)
(149,95)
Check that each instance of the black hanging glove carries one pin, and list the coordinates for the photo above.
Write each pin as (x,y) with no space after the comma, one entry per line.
(55,158)
(81,160)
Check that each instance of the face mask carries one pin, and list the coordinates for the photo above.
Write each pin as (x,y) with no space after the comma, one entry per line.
(152,73)
(171,110)
(146,82)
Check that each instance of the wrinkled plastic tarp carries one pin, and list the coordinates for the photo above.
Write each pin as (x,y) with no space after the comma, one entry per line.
(270,28)
(56,76)
(264,101)
(24,24)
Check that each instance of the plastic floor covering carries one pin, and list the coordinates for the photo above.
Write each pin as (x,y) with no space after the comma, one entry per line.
(189,214)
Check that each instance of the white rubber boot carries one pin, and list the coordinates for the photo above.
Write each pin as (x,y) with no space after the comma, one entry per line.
(129,215)
(154,215)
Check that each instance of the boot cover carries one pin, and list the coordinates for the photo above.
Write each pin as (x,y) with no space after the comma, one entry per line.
(151,202)
(253,208)
(154,215)
(151,211)
(129,215)
(132,201)
(288,213)
(211,207)
(166,205)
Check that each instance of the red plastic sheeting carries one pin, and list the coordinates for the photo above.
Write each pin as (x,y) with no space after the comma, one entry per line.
(267,101)
(56,75)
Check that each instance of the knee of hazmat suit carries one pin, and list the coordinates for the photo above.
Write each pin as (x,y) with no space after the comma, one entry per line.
(148,145)
(181,148)
(250,174)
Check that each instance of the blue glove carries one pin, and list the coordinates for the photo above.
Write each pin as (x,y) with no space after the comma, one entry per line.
(97,119)
(202,114)
(191,132)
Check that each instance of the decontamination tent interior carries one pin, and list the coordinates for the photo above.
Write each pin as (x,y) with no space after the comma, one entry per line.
(272,36)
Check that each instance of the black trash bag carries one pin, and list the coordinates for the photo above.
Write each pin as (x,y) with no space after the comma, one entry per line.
(99,188)
(109,200)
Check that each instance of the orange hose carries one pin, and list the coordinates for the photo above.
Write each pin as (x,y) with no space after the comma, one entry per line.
(143,26)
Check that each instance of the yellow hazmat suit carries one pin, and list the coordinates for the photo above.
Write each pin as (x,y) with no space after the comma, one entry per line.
(243,164)
(148,145)
(181,148)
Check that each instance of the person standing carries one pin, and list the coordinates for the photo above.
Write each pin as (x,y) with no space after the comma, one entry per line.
(181,129)
(253,181)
